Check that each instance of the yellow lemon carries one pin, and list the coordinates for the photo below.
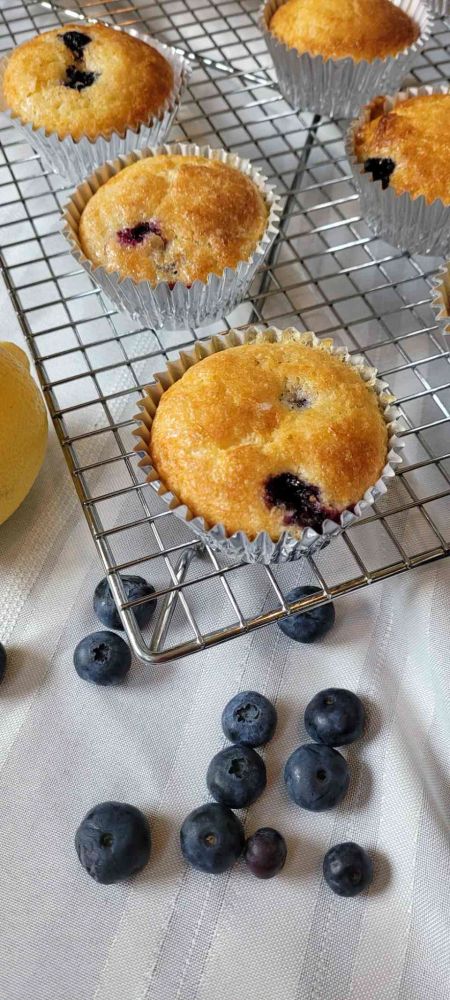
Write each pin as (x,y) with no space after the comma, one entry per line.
(23,429)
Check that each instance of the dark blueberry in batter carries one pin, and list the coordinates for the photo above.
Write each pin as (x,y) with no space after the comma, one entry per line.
(136,234)
(295,399)
(380,168)
(76,42)
(79,79)
(300,500)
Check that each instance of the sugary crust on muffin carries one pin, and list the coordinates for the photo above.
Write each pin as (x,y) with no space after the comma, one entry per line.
(334,29)
(230,425)
(132,82)
(415,136)
(202,216)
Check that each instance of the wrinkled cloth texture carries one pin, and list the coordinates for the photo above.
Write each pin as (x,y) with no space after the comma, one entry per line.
(173,933)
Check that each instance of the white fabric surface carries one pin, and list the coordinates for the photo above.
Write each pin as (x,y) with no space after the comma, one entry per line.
(173,933)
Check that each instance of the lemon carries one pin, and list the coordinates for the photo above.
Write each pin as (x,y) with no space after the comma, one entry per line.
(23,429)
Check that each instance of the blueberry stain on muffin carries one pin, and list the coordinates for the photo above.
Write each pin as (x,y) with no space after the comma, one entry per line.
(300,501)
(296,398)
(381,169)
(135,235)
(76,42)
(79,79)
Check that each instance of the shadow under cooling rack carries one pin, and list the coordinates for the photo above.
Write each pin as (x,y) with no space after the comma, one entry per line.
(327,272)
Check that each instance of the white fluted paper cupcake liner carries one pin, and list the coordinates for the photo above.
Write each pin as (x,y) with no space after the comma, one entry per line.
(441,7)
(160,306)
(75,159)
(411,224)
(262,548)
(338,87)
(440,297)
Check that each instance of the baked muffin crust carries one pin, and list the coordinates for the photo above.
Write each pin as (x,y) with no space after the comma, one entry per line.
(408,148)
(173,218)
(86,80)
(335,29)
(269,437)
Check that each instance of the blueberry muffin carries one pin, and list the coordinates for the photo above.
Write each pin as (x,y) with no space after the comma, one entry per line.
(86,82)
(269,436)
(335,29)
(408,148)
(173,218)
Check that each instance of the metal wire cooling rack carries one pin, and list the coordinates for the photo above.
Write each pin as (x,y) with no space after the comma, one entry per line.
(327,273)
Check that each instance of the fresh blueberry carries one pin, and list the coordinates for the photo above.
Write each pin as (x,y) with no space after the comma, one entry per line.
(76,42)
(307,626)
(335,717)
(381,169)
(79,79)
(316,776)
(113,841)
(300,501)
(249,718)
(265,852)
(2,662)
(347,869)
(236,776)
(211,838)
(102,658)
(135,588)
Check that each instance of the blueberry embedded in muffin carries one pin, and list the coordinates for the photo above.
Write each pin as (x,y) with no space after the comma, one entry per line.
(225,443)
(406,147)
(354,28)
(86,83)
(173,218)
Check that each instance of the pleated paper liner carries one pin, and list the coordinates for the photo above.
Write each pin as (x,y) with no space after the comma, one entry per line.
(76,159)
(440,298)
(411,224)
(162,306)
(338,87)
(262,548)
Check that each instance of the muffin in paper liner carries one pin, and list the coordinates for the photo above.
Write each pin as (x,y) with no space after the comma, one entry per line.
(440,298)
(262,548)
(338,87)
(161,306)
(408,223)
(75,159)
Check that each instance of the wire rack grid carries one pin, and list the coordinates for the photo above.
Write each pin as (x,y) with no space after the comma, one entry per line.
(327,272)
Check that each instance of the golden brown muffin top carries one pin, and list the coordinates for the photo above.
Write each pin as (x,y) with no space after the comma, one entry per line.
(86,80)
(173,218)
(413,144)
(269,437)
(334,29)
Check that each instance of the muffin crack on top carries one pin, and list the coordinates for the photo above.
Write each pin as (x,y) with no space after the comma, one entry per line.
(86,83)
(225,444)
(337,29)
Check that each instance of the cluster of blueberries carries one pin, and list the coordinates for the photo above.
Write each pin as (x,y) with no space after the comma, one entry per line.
(114,841)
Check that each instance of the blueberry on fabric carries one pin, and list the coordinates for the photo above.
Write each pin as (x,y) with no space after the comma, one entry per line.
(76,42)
(335,716)
(135,588)
(381,169)
(113,841)
(135,235)
(2,662)
(102,658)
(299,501)
(265,852)
(307,626)
(347,869)
(236,776)
(79,79)
(249,718)
(317,777)
(211,838)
